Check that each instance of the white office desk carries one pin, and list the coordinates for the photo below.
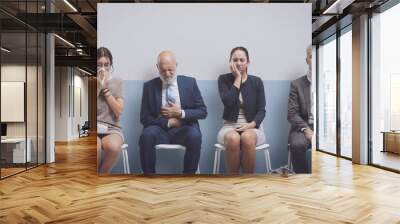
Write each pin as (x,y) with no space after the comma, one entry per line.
(19,149)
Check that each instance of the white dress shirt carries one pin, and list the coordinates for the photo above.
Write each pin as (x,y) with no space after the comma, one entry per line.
(173,91)
(312,95)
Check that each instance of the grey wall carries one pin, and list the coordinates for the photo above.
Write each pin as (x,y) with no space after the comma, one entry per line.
(202,36)
(275,127)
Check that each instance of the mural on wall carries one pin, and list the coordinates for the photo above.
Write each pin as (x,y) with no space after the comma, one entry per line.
(204,89)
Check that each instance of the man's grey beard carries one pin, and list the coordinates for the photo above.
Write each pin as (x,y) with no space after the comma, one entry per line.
(168,80)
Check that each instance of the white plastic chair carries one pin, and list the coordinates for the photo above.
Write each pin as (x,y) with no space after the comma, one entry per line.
(176,147)
(219,148)
(125,159)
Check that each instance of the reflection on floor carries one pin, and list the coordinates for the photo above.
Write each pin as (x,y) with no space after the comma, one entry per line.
(387,159)
(346,151)
(10,169)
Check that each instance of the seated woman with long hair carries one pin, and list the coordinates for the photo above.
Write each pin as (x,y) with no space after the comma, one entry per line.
(244,110)
(110,105)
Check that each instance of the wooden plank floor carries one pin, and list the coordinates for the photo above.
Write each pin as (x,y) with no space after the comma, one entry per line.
(10,171)
(70,191)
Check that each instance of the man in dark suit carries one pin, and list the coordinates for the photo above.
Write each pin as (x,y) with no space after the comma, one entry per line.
(171,106)
(301,119)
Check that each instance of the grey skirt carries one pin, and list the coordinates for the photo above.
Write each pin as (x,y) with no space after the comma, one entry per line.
(227,127)
(111,130)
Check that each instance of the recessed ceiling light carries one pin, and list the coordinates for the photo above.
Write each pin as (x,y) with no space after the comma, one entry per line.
(70,5)
(337,7)
(64,40)
(5,50)
(84,71)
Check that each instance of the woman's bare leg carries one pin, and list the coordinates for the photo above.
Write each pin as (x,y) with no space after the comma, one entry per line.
(248,141)
(112,149)
(232,152)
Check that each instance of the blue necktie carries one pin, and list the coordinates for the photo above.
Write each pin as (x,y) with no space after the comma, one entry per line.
(169,95)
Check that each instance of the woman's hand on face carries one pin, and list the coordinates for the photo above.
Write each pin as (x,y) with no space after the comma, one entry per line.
(246,126)
(235,71)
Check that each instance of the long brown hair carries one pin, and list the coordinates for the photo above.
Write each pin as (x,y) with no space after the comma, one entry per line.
(104,52)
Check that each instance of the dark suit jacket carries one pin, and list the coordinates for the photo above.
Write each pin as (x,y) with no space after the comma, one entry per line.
(299,104)
(253,98)
(190,97)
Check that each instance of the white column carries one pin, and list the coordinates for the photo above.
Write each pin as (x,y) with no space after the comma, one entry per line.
(360,90)
(50,108)
(50,92)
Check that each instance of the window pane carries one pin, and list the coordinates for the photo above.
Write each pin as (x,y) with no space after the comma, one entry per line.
(385,84)
(327,97)
(346,94)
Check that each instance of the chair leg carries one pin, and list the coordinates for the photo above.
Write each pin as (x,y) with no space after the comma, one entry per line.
(198,169)
(128,167)
(125,160)
(216,161)
(267,161)
(290,164)
(219,162)
(289,160)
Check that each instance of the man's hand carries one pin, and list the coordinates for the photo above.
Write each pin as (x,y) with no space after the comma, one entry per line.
(308,133)
(171,111)
(174,123)
(246,126)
